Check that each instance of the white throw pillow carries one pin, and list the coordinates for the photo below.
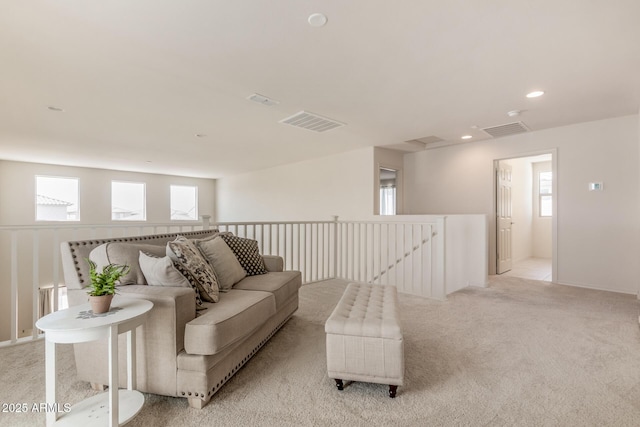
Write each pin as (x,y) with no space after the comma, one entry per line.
(161,271)
(224,262)
(124,253)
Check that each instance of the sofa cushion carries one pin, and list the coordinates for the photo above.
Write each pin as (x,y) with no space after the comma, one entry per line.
(247,252)
(125,254)
(281,284)
(223,261)
(235,316)
(184,252)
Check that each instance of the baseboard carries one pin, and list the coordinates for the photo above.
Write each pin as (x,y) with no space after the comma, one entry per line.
(596,288)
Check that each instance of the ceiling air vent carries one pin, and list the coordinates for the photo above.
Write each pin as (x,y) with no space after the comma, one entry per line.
(311,121)
(425,140)
(508,129)
(261,99)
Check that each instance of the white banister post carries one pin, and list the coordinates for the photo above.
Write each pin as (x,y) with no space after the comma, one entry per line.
(335,247)
(439,290)
(35,292)
(56,266)
(14,286)
(205,221)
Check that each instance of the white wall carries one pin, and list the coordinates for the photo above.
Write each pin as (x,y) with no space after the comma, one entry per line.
(17,207)
(17,192)
(542,226)
(305,191)
(597,242)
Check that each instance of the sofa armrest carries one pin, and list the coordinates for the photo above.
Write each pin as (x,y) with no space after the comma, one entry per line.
(273,262)
(160,338)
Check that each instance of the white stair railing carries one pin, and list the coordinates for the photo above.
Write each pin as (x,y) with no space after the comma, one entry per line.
(409,256)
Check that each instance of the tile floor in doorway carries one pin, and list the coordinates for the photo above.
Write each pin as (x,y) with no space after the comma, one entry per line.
(531,268)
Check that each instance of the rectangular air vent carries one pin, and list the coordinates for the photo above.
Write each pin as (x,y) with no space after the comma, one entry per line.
(311,121)
(261,99)
(426,140)
(505,130)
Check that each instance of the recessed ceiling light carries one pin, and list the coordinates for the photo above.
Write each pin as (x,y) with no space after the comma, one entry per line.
(200,135)
(317,20)
(514,113)
(467,137)
(56,109)
(535,94)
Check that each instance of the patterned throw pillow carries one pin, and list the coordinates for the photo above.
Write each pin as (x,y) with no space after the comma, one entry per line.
(246,250)
(193,282)
(184,252)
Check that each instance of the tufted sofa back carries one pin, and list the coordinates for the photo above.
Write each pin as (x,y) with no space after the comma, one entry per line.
(73,253)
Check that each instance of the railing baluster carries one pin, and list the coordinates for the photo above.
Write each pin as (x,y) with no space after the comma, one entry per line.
(418,252)
(36,280)
(291,246)
(386,257)
(261,238)
(306,238)
(14,286)
(314,251)
(56,268)
(358,247)
(321,249)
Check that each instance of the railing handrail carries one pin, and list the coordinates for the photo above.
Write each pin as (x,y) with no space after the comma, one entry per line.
(390,222)
(138,224)
(66,225)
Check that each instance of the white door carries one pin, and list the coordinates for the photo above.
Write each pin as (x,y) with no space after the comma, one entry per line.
(504,218)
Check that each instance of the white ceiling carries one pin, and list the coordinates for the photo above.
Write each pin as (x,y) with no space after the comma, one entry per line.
(138,79)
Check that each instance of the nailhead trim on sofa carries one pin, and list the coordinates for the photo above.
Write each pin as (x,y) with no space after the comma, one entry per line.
(239,365)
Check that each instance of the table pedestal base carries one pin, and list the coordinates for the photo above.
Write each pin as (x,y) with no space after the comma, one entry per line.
(95,410)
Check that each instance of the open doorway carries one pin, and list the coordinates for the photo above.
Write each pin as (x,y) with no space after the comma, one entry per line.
(525,217)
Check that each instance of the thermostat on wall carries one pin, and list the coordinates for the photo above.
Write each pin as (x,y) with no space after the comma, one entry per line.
(595,186)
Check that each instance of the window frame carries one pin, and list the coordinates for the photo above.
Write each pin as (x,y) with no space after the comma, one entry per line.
(546,195)
(144,200)
(197,207)
(76,179)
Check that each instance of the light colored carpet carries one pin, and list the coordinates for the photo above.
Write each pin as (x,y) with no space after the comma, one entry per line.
(520,352)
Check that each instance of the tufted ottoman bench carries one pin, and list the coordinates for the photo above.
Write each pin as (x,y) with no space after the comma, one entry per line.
(364,339)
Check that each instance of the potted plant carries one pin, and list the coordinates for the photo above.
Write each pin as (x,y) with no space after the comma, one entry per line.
(103,285)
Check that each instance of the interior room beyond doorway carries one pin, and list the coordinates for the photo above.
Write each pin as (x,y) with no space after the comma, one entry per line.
(529,245)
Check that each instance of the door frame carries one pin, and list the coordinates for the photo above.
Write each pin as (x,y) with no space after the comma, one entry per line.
(493,247)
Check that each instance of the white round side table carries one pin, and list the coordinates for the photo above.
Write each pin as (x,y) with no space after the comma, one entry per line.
(79,324)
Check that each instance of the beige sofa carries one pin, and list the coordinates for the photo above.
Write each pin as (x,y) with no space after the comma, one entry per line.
(180,353)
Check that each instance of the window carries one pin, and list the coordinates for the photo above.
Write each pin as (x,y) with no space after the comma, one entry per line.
(388,178)
(57,199)
(128,201)
(545,181)
(184,203)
